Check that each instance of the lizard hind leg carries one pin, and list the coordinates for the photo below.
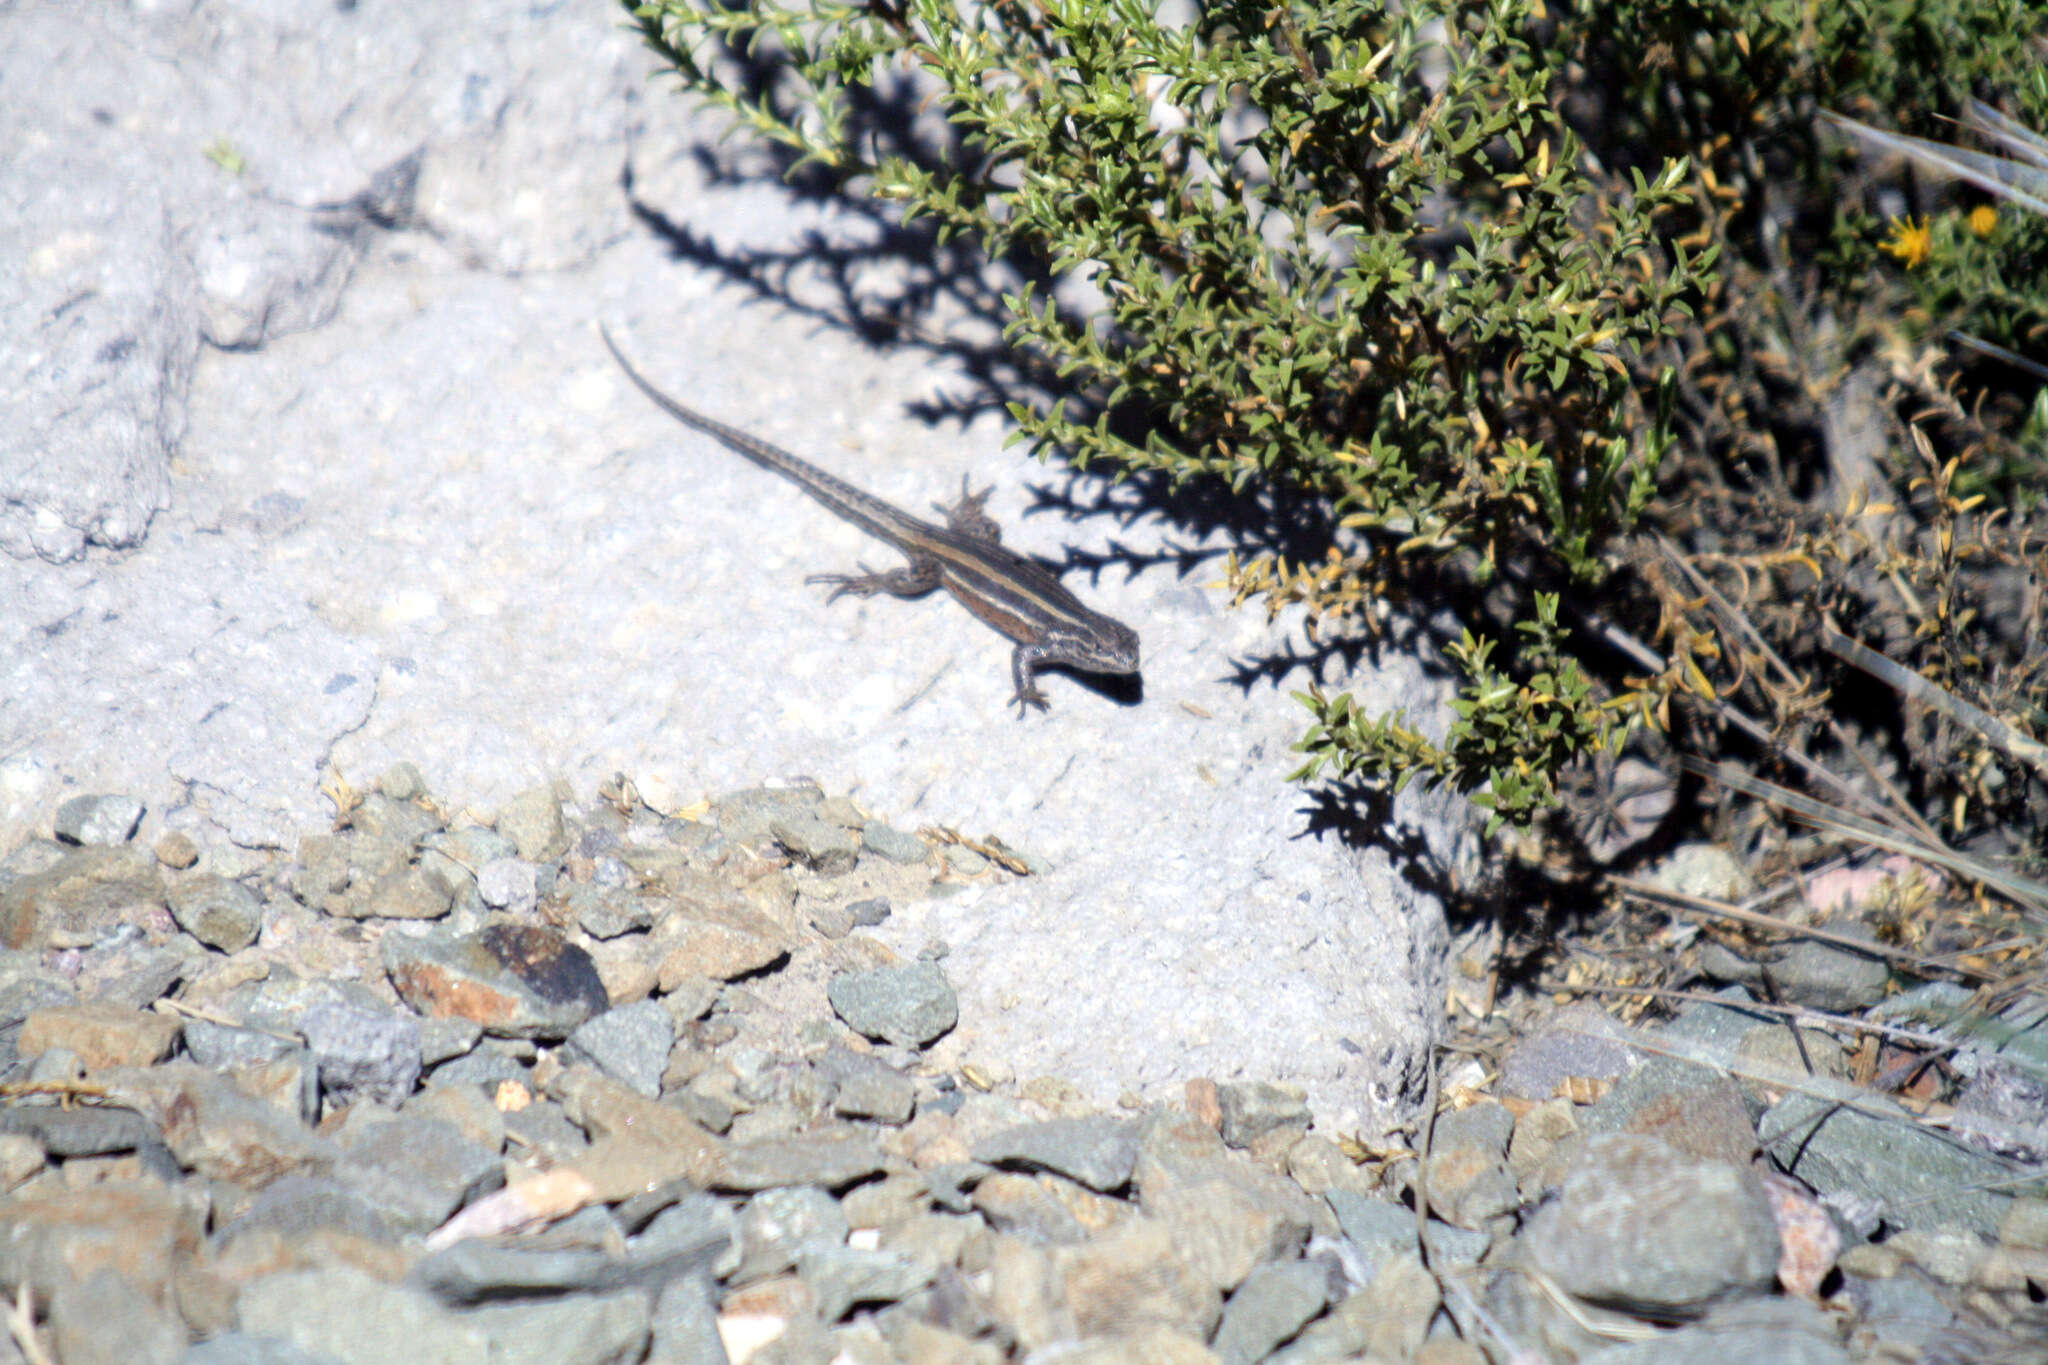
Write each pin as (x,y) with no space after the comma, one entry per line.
(916,580)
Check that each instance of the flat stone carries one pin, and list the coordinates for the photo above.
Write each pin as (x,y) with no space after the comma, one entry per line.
(84,895)
(1913,1178)
(1273,1303)
(1252,1109)
(50,1238)
(880,1094)
(587,1329)
(217,1129)
(908,1005)
(220,913)
(514,981)
(1098,1151)
(442,1040)
(363,1054)
(639,1144)
(826,848)
(533,822)
(831,1158)
(98,820)
(1643,1228)
(239,1348)
(465,1106)
(416,1172)
(473,1272)
(776,1224)
(89,1130)
(410,892)
(107,1319)
(1579,1042)
(718,951)
(1470,1182)
(685,1324)
(842,1277)
(886,841)
(1829,977)
(1132,1279)
(342,1312)
(297,1205)
(1782,1331)
(1227,1216)
(221,1046)
(1027,1207)
(609,911)
(629,1043)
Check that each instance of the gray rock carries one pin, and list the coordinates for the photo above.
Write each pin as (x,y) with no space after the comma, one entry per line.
(403,825)
(547,1130)
(777,1224)
(880,1094)
(1578,1041)
(533,822)
(608,911)
(886,841)
(515,981)
(1098,1151)
(1781,1331)
(629,1043)
(1252,1109)
(363,1055)
(238,1348)
(98,819)
(909,1005)
(402,781)
(218,912)
(842,1277)
(359,1320)
(223,1047)
(1640,1227)
(296,1205)
(1379,1228)
(685,1325)
(1273,1303)
(416,1172)
(870,912)
(442,1040)
(1470,1182)
(824,847)
(106,1319)
(593,1329)
(278,1002)
(1914,1177)
(85,1131)
(509,884)
(85,895)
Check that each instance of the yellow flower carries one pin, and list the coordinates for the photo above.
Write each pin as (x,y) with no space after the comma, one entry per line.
(1911,242)
(1983,220)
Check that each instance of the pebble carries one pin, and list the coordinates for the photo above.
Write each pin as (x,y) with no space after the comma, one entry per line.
(98,820)
(513,981)
(630,1044)
(910,1005)
(220,913)
(1099,1152)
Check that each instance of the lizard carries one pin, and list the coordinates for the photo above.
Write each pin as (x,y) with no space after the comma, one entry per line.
(1015,595)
